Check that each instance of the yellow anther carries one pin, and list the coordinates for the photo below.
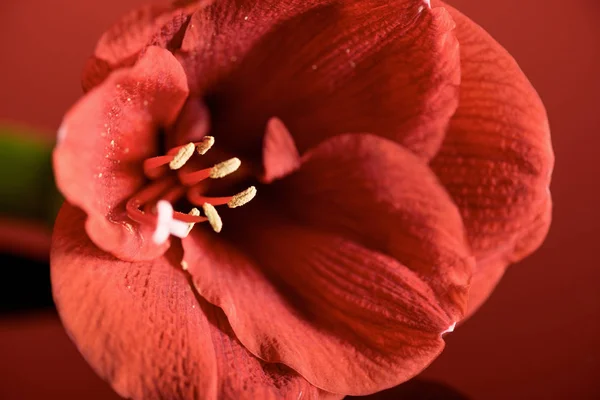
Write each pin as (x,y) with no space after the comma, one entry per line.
(225,168)
(184,265)
(182,156)
(242,198)
(194,212)
(205,145)
(214,219)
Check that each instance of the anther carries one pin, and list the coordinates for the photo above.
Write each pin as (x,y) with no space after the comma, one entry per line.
(242,198)
(182,156)
(193,212)
(214,219)
(225,168)
(205,145)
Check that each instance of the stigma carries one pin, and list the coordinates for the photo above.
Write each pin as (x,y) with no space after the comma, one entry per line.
(171,181)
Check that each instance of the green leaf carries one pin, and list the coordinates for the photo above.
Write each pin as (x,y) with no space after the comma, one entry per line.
(27,188)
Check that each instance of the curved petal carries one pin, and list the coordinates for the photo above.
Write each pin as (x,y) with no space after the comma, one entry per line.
(381,195)
(490,270)
(142,328)
(280,155)
(103,141)
(192,124)
(348,318)
(325,67)
(496,160)
(119,46)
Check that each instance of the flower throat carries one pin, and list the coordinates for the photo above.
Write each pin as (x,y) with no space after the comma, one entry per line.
(153,204)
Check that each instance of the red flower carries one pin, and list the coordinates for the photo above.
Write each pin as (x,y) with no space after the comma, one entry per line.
(405,167)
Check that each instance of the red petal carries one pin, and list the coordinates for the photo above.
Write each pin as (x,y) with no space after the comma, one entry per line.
(121,44)
(142,328)
(103,140)
(376,192)
(348,318)
(280,156)
(325,67)
(497,159)
(191,126)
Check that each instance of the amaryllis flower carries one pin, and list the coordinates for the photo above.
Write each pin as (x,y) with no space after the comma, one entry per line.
(290,198)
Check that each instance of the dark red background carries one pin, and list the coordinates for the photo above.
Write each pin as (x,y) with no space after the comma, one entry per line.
(538,337)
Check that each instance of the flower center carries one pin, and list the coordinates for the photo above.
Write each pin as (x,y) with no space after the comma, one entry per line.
(154,203)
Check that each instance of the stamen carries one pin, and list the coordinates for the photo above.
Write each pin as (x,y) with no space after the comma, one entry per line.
(225,168)
(146,196)
(214,219)
(194,195)
(182,156)
(189,218)
(242,198)
(218,171)
(153,204)
(195,213)
(174,194)
(192,178)
(152,166)
(205,145)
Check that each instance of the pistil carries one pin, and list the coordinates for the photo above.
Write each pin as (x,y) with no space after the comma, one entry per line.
(153,204)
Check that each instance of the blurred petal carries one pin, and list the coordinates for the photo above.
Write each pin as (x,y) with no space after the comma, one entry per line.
(142,328)
(376,192)
(103,141)
(496,160)
(192,124)
(158,25)
(280,156)
(325,67)
(349,318)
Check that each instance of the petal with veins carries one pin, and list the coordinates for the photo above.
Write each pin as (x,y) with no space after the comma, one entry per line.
(143,330)
(109,132)
(120,46)
(324,67)
(496,160)
(366,272)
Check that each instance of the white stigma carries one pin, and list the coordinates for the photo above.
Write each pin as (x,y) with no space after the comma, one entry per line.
(166,225)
